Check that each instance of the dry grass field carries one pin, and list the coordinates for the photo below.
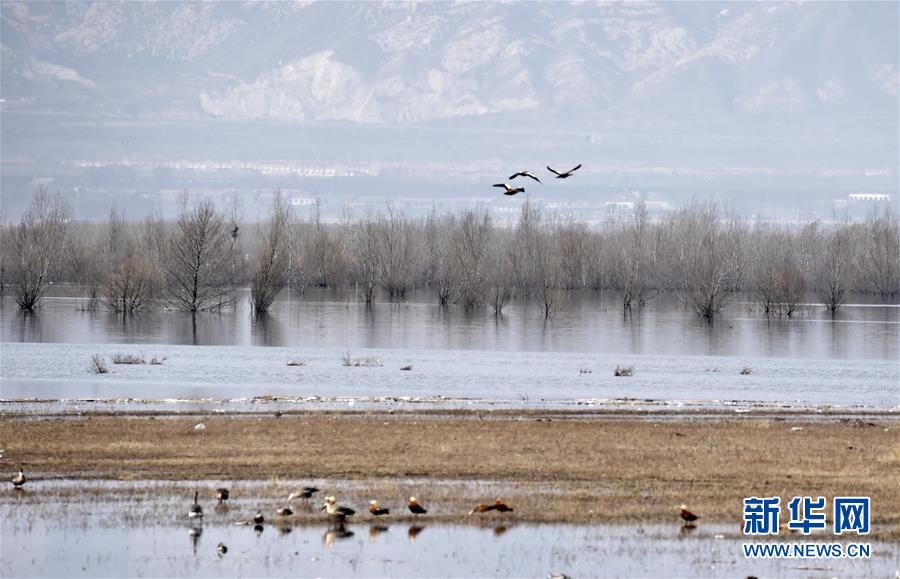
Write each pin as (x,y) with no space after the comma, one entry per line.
(554,467)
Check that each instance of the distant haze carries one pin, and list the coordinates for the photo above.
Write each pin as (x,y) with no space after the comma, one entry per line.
(778,109)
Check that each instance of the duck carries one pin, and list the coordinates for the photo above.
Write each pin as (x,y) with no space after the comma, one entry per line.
(19,479)
(196,511)
(221,549)
(258,518)
(686,515)
(501,507)
(509,190)
(376,510)
(482,508)
(334,511)
(304,493)
(524,174)
(221,495)
(284,512)
(563,174)
(415,508)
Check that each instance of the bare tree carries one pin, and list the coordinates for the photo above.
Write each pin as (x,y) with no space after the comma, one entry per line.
(272,257)
(198,262)
(438,270)
(131,285)
(366,273)
(709,258)
(470,245)
(37,244)
(880,254)
(398,253)
(545,267)
(835,266)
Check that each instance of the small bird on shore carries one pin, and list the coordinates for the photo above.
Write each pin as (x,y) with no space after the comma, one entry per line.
(563,174)
(415,508)
(221,495)
(377,510)
(333,510)
(524,174)
(196,511)
(686,515)
(509,190)
(284,512)
(304,493)
(19,479)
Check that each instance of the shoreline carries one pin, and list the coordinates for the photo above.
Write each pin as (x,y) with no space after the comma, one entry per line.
(584,467)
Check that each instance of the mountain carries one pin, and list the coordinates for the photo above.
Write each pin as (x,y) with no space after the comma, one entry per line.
(785,86)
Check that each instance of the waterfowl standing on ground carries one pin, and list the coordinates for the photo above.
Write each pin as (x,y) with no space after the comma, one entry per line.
(686,515)
(258,518)
(415,508)
(524,174)
(509,190)
(196,511)
(563,174)
(221,495)
(19,479)
(377,510)
(340,513)
(284,512)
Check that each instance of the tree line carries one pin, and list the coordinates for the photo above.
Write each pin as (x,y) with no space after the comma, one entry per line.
(197,262)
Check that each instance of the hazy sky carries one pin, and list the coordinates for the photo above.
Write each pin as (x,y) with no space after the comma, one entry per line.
(636,91)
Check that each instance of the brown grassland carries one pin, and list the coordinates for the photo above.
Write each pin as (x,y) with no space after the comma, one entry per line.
(553,466)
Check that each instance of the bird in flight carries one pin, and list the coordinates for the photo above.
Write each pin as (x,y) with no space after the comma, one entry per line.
(510,190)
(524,174)
(564,174)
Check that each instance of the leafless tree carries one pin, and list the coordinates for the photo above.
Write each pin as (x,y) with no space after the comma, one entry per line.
(131,285)
(271,257)
(709,258)
(366,273)
(37,245)
(469,250)
(198,261)
(879,252)
(398,253)
(777,281)
(835,266)
(438,271)
(545,267)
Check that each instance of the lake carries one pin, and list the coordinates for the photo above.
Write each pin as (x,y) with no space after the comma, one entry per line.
(849,360)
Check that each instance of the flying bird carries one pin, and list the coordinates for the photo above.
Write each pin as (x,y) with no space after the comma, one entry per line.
(196,511)
(19,479)
(376,510)
(501,507)
(482,508)
(564,174)
(686,515)
(524,174)
(304,493)
(509,190)
(415,508)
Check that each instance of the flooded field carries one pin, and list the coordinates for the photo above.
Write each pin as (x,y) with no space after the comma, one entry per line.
(142,528)
(849,360)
